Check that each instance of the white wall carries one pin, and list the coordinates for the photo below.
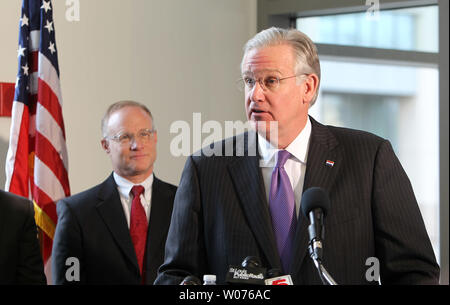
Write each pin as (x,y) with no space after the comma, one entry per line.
(176,56)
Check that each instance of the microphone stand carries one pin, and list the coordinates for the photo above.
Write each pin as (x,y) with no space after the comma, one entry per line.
(315,251)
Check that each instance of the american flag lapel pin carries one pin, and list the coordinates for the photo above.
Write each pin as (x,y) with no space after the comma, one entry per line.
(329,163)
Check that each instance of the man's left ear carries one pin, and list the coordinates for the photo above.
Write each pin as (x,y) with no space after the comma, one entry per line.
(310,86)
(105,145)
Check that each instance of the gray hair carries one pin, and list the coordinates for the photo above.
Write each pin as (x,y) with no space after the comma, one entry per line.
(119,105)
(305,51)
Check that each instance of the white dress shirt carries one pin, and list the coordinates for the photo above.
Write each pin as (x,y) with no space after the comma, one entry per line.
(295,166)
(124,187)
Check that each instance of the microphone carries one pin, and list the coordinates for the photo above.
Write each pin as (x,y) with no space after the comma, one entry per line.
(315,204)
(251,262)
(274,272)
(249,273)
(191,280)
(275,277)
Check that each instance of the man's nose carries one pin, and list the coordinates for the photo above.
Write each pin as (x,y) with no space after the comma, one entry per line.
(257,93)
(135,143)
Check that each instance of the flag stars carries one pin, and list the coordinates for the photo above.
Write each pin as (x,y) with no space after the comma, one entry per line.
(52,47)
(25,69)
(24,20)
(21,51)
(46,6)
(49,26)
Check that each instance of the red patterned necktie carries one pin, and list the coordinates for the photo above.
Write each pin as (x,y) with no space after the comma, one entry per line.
(138,226)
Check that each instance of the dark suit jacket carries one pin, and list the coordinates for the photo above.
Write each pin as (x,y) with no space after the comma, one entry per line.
(221,214)
(20,256)
(92,228)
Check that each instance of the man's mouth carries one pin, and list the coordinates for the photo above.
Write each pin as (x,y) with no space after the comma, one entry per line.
(257,111)
(138,156)
(259,114)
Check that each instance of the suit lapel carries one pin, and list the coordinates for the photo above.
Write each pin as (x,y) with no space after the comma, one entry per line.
(159,216)
(111,211)
(323,147)
(249,186)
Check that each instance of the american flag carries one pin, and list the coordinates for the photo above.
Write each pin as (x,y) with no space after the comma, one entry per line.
(36,163)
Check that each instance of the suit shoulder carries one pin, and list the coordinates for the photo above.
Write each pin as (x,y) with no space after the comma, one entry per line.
(343,132)
(83,198)
(168,186)
(240,145)
(11,203)
(356,138)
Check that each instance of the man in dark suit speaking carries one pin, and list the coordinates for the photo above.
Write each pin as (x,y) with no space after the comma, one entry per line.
(230,206)
(114,233)
(20,257)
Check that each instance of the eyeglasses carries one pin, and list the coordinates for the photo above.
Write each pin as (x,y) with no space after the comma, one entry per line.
(267,83)
(143,135)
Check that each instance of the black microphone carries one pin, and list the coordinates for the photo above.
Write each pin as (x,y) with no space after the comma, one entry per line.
(250,272)
(274,272)
(315,204)
(191,280)
(275,277)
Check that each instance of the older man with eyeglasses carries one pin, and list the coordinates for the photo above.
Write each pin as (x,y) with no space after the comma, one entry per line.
(229,207)
(115,232)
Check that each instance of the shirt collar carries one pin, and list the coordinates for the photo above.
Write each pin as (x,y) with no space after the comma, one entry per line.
(124,186)
(298,148)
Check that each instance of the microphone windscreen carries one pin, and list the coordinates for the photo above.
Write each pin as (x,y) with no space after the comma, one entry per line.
(251,262)
(313,198)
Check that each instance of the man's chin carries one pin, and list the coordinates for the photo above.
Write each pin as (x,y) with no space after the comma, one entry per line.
(138,170)
(267,129)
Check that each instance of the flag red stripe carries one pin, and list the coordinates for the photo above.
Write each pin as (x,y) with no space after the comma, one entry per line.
(48,99)
(32,98)
(33,61)
(47,153)
(47,245)
(32,101)
(19,177)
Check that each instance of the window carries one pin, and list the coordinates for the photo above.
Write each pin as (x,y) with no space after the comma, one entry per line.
(412,29)
(397,103)
(397,100)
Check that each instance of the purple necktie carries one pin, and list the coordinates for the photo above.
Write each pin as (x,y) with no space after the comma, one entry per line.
(282,209)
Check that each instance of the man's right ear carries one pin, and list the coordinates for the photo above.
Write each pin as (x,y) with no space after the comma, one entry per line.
(105,145)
